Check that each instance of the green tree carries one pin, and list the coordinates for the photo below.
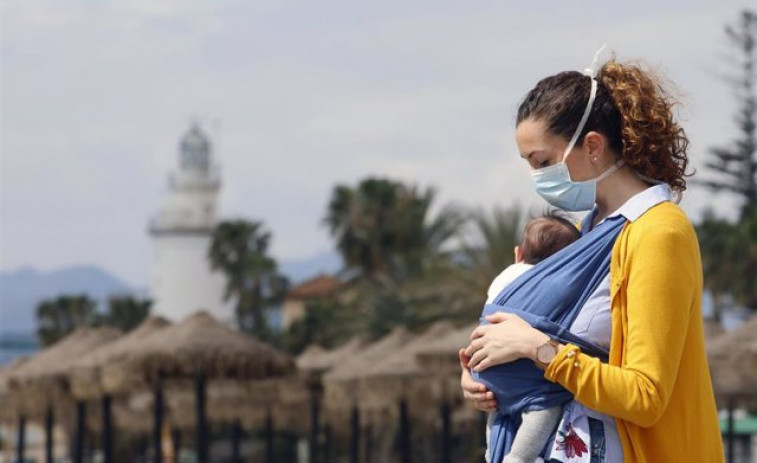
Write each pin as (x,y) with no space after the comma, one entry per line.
(384,227)
(60,316)
(729,258)
(729,250)
(735,165)
(326,323)
(491,247)
(126,312)
(239,249)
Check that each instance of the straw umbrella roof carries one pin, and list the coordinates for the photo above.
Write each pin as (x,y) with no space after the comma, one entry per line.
(198,344)
(400,375)
(44,376)
(317,359)
(85,372)
(733,360)
(363,361)
(402,362)
(442,352)
(55,361)
(712,330)
(6,404)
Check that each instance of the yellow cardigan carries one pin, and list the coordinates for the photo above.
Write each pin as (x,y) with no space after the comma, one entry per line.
(657,383)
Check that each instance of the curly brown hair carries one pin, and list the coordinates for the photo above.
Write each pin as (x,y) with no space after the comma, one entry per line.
(632,109)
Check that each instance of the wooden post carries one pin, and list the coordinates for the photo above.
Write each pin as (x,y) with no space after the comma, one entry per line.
(49,428)
(107,437)
(202,422)
(236,437)
(270,456)
(21,438)
(446,432)
(355,435)
(730,431)
(157,424)
(404,433)
(81,427)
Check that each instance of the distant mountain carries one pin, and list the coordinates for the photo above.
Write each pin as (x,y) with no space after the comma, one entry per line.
(23,289)
(302,269)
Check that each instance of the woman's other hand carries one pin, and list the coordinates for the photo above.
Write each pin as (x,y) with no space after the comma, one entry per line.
(474,392)
(506,339)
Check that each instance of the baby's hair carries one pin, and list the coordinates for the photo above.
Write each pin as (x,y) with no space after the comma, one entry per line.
(546,234)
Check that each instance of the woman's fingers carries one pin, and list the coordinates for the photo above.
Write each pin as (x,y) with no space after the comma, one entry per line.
(469,384)
(497,317)
(482,404)
(487,405)
(477,357)
(479,331)
(464,359)
(482,365)
(474,346)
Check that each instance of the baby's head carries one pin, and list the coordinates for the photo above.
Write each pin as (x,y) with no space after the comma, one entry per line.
(544,236)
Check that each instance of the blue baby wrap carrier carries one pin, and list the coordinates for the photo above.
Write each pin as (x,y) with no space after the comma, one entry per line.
(549,296)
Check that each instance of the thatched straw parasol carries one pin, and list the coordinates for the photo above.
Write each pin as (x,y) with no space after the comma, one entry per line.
(8,410)
(43,378)
(40,385)
(341,381)
(86,383)
(85,376)
(712,330)
(733,367)
(199,344)
(440,355)
(733,361)
(317,359)
(399,375)
(199,348)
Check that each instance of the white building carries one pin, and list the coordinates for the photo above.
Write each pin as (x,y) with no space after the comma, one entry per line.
(181,280)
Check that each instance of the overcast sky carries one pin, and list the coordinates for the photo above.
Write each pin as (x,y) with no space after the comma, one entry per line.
(299,96)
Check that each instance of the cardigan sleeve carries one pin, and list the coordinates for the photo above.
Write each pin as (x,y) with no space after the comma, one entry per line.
(660,284)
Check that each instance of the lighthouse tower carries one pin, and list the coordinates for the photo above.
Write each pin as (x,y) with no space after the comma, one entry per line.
(182,281)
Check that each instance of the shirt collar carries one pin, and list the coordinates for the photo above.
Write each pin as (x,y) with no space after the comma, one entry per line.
(641,202)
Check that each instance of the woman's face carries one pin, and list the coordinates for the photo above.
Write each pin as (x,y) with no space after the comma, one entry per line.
(541,149)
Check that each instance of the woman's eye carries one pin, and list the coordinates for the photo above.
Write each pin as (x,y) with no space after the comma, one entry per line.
(544,163)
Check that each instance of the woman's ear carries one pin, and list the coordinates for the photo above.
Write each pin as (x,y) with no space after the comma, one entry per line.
(594,143)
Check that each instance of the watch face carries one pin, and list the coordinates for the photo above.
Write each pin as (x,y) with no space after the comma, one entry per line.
(545,353)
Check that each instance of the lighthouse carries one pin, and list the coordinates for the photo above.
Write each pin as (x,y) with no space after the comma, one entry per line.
(181,279)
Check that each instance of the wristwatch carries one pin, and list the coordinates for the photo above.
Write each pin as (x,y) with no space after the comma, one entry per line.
(545,353)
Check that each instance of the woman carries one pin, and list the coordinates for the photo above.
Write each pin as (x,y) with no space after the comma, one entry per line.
(611,143)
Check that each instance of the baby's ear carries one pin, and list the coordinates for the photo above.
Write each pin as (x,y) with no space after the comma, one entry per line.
(518,255)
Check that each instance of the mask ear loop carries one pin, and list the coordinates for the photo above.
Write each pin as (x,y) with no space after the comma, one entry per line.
(591,72)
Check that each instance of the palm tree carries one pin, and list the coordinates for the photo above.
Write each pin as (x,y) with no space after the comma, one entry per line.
(58,317)
(383,227)
(126,312)
(239,249)
(729,258)
(491,248)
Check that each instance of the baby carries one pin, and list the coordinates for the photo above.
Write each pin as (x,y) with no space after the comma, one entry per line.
(542,237)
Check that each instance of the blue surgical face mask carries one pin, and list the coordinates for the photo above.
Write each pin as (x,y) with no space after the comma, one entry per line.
(553,182)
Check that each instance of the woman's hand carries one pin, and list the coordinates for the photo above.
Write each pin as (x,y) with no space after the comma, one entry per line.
(474,392)
(507,338)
